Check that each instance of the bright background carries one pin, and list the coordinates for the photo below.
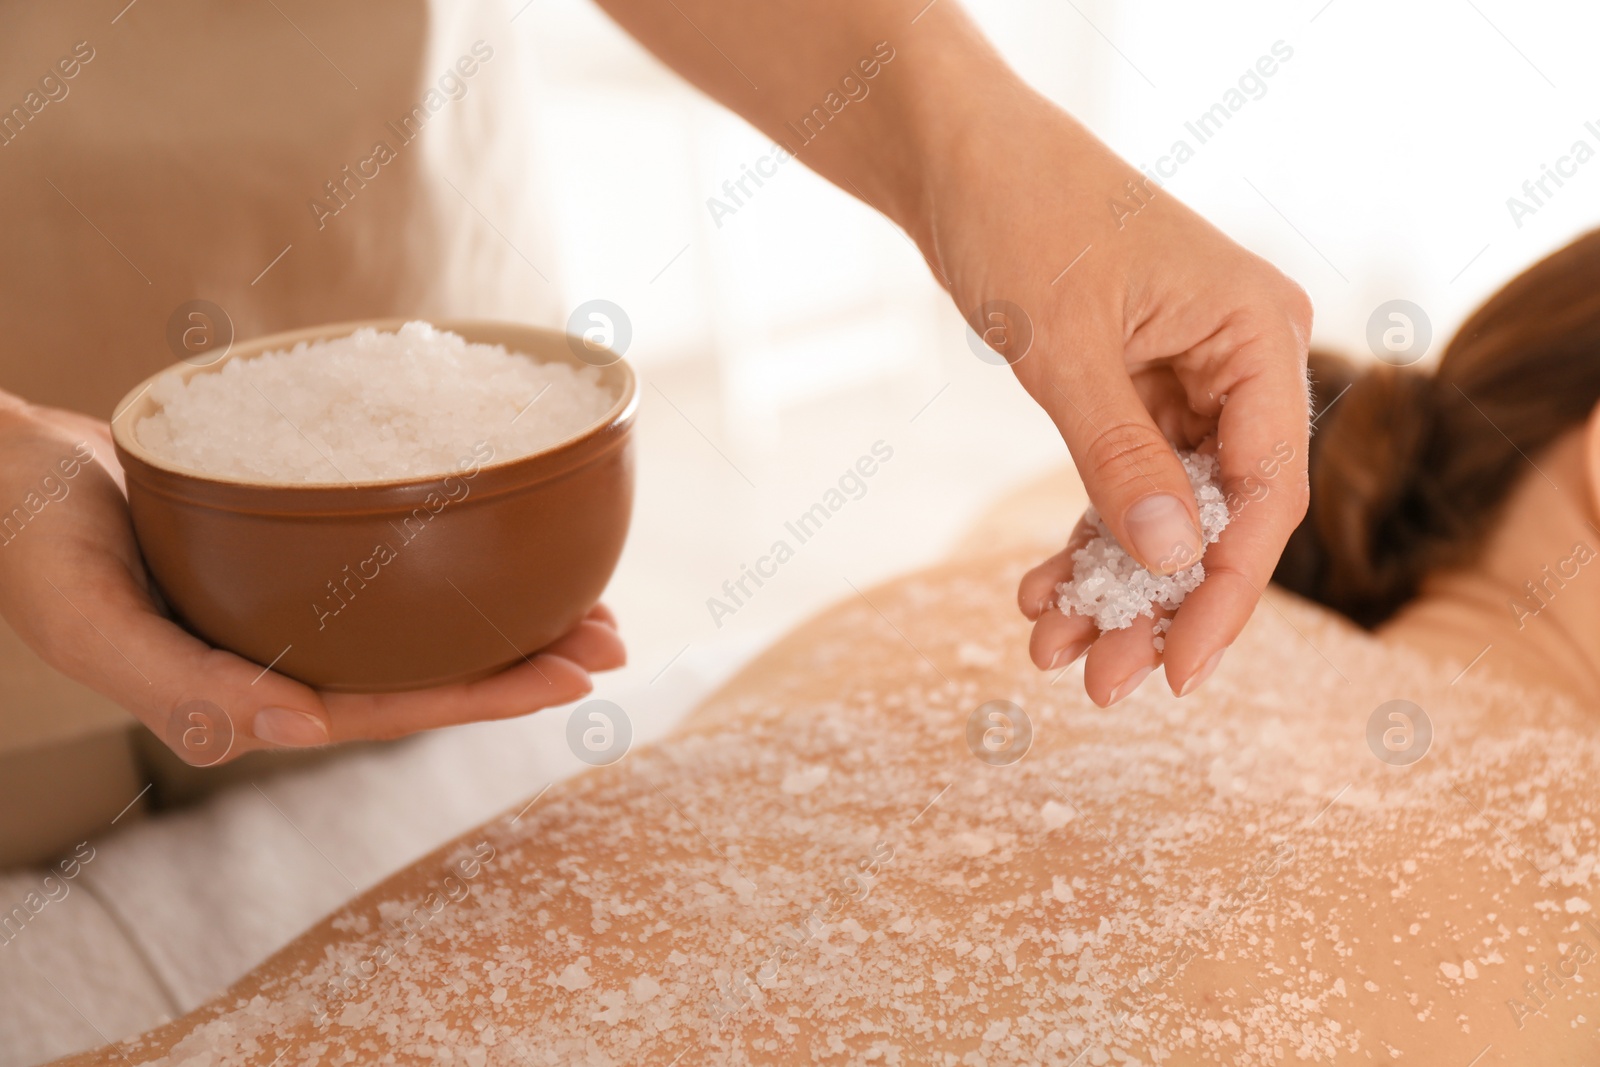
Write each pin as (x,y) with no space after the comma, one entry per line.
(777,347)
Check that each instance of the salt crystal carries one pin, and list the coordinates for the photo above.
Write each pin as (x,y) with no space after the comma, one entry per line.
(575,976)
(974,655)
(1078,934)
(415,403)
(804,780)
(972,843)
(1112,588)
(1056,814)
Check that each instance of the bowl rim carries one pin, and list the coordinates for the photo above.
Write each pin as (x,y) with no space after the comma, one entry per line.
(126,440)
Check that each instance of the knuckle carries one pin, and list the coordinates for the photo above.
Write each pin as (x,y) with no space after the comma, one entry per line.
(1223,572)
(1301,309)
(1298,309)
(1127,454)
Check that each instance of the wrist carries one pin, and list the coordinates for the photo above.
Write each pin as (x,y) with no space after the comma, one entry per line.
(949,85)
(1001,155)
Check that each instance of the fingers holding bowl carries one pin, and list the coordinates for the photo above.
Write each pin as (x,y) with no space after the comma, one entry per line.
(557,674)
(540,681)
(593,644)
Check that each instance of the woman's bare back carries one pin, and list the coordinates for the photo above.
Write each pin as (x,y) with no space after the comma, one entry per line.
(891,840)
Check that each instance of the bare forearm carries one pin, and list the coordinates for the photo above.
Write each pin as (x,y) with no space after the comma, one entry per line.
(853,88)
(1005,193)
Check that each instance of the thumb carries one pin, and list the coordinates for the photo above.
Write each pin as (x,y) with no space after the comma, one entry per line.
(1130,470)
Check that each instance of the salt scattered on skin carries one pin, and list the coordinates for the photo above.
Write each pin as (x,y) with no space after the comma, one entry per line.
(1112,588)
(1179,941)
(1056,815)
(373,406)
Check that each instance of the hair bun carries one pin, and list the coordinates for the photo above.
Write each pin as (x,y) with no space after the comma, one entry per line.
(1410,471)
(1368,535)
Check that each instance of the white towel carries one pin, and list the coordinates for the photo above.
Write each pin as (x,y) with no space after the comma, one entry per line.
(174,909)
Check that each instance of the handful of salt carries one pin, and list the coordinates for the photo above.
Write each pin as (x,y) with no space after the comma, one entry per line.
(1112,588)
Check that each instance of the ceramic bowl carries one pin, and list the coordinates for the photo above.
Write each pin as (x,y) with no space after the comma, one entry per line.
(391,585)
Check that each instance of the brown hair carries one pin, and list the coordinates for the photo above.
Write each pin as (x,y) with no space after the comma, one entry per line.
(1410,467)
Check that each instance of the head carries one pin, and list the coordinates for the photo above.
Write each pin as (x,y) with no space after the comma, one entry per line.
(1412,467)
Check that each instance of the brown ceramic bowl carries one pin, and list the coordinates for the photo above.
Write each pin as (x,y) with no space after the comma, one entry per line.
(483,567)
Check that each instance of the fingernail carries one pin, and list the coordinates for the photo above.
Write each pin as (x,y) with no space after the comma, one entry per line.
(1129,685)
(1069,653)
(1163,536)
(291,729)
(1202,674)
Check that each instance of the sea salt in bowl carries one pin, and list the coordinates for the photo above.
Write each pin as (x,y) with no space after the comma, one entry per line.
(361,553)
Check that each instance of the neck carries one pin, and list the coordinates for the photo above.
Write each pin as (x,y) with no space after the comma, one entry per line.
(1527,609)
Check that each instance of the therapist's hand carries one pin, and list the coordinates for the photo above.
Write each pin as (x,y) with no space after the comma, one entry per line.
(73,586)
(1136,325)
(904,104)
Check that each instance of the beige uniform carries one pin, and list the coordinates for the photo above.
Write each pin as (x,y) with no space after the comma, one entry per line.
(291,163)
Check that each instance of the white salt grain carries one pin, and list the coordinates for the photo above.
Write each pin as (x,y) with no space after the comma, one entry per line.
(802,781)
(1112,588)
(1160,639)
(575,976)
(416,403)
(1056,815)
(1153,869)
